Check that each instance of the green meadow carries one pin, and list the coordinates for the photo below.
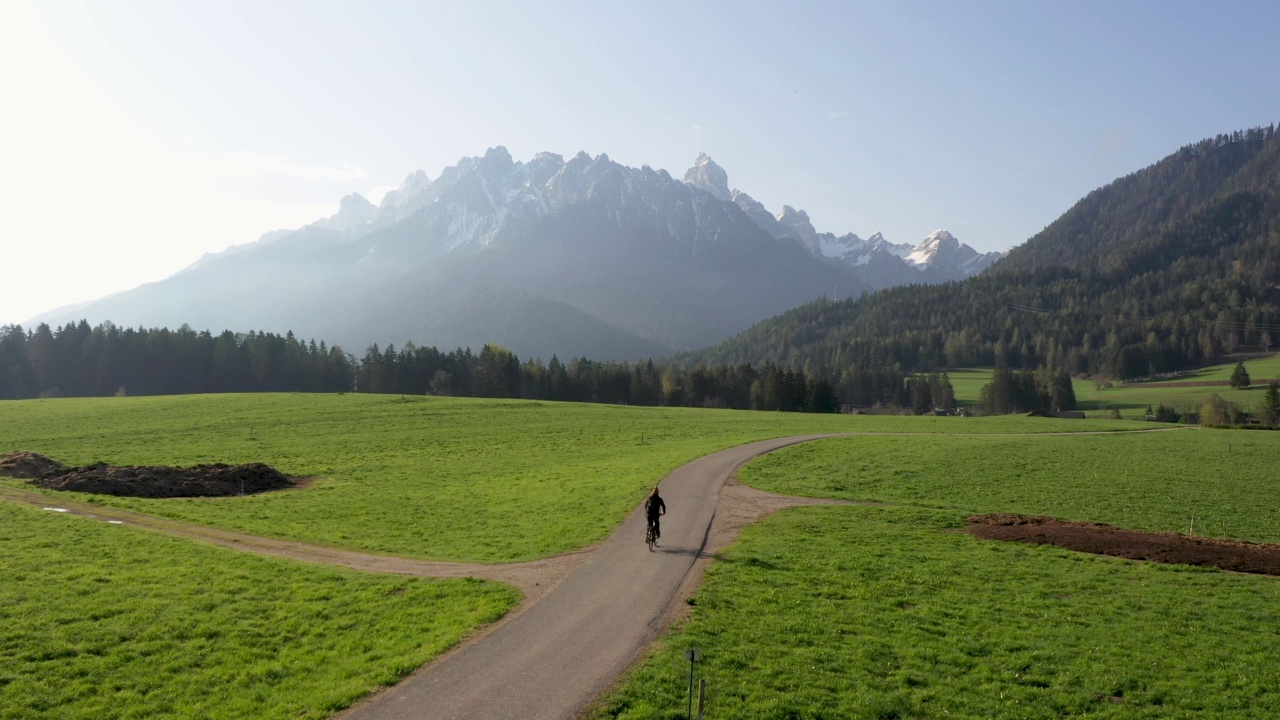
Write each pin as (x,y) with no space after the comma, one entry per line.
(1259,370)
(967,383)
(1132,399)
(439,478)
(107,621)
(889,612)
(1146,481)
(99,620)
(878,613)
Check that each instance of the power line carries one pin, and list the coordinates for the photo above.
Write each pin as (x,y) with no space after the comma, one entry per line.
(1222,324)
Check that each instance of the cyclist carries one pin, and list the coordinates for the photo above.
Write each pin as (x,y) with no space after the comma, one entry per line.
(653,508)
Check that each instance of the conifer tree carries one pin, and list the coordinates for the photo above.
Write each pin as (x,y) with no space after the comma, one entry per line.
(1271,404)
(1240,377)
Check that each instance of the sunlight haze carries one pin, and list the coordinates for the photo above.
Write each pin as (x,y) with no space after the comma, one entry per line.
(138,136)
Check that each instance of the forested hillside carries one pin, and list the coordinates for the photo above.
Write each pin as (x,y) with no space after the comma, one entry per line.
(1168,268)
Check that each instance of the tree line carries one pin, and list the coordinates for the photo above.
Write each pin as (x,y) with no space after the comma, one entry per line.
(1022,391)
(77,360)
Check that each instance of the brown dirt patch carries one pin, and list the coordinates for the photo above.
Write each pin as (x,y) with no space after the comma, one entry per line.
(1100,539)
(29,465)
(148,481)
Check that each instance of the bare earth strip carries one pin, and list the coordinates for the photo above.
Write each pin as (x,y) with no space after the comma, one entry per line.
(534,578)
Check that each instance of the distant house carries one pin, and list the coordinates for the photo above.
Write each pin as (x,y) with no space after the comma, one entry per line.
(1064,414)
(864,410)
(950,412)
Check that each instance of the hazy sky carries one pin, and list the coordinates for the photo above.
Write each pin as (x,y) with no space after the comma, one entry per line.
(135,137)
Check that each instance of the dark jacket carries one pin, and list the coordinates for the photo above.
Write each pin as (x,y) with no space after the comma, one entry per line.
(653,506)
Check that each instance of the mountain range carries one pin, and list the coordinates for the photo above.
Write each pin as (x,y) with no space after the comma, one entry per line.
(1174,266)
(579,257)
(876,262)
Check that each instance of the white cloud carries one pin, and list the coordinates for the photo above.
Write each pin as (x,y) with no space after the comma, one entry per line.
(696,127)
(837,114)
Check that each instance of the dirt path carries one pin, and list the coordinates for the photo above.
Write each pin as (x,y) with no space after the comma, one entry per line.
(557,655)
(534,578)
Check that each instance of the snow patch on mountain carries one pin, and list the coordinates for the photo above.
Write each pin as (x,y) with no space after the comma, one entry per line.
(901,250)
(837,247)
(926,253)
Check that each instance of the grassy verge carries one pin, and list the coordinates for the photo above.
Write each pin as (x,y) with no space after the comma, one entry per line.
(105,621)
(457,479)
(855,612)
(1146,481)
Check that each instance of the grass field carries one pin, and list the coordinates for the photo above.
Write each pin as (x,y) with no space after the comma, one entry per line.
(1147,481)
(456,479)
(1132,399)
(104,621)
(877,613)
(967,383)
(1259,370)
(887,612)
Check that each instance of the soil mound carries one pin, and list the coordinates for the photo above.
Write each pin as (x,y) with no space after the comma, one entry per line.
(22,464)
(1101,539)
(149,481)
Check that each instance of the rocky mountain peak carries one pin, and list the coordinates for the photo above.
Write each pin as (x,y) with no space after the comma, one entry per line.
(496,159)
(798,222)
(792,216)
(355,202)
(707,175)
(353,210)
(942,251)
(939,238)
(415,183)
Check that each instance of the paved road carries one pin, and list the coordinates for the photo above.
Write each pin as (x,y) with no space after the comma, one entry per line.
(555,657)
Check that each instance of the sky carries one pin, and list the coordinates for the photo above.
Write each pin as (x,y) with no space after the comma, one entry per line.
(137,136)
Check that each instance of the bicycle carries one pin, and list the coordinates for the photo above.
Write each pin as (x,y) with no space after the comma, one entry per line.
(651,536)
